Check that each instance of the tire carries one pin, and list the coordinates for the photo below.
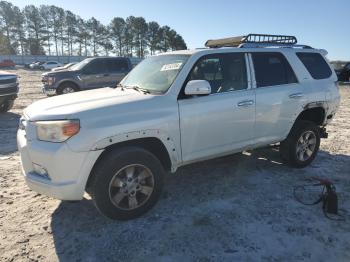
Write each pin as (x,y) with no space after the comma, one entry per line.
(6,105)
(300,148)
(67,88)
(126,183)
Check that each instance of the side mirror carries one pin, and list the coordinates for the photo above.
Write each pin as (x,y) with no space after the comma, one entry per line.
(197,87)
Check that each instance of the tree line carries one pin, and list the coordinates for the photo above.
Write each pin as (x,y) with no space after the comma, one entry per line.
(51,30)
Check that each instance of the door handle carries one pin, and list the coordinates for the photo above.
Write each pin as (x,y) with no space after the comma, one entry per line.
(296,95)
(246,103)
(104,75)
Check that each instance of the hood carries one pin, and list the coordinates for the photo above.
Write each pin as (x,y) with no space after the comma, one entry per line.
(5,73)
(63,72)
(81,103)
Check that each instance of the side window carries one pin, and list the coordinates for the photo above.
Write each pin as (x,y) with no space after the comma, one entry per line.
(95,67)
(117,65)
(225,72)
(315,64)
(347,67)
(272,69)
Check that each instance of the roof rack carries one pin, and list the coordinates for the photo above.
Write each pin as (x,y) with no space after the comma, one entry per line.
(256,40)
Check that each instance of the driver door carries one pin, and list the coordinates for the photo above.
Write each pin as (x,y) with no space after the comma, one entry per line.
(95,74)
(223,121)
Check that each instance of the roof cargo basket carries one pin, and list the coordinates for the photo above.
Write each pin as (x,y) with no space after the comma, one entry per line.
(255,40)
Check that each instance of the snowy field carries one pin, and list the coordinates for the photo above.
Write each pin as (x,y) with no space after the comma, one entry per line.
(236,208)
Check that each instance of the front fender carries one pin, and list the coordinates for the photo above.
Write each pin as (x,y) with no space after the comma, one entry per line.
(173,150)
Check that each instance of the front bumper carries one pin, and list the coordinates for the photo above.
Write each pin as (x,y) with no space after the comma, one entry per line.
(9,89)
(48,90)
(67,170)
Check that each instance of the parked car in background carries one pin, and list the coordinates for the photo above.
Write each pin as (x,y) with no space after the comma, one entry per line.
(8,90)
(174,109)
(343,73)
(66,66)
(36,65)
(88,74)
(27,65)
(7,63)
(50,65)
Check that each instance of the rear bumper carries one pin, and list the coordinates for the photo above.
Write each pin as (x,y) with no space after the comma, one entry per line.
(67,171)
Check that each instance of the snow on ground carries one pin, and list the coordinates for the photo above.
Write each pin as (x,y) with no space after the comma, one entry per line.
(235,208)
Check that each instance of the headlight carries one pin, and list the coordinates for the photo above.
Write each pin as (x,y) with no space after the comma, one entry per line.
(57,131)
(50,80)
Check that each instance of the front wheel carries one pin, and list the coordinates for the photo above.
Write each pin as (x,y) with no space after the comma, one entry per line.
(302,144)
(126,183)
(67,88)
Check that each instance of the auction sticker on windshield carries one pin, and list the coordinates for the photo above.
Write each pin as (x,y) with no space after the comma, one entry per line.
(173,66)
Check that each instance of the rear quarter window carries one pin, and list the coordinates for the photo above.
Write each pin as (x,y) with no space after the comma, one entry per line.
(315,64)
(272,69)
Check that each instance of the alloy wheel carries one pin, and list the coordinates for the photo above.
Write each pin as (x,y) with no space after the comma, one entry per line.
(131,187)
(306,145)
(68,90)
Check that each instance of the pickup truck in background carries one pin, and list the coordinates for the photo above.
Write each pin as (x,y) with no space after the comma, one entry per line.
(90,73)
(343,73)
(8,90)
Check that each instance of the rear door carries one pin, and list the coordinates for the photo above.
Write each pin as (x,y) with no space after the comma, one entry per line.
(95,74)
(223,121)
(279,96)
(117,69)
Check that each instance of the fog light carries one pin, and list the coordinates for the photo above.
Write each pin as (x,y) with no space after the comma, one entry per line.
(39,170)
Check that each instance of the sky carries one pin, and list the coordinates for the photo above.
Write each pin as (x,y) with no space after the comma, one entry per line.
(319,23)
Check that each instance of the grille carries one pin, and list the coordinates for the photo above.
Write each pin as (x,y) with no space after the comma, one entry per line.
(8,80)
(8,90)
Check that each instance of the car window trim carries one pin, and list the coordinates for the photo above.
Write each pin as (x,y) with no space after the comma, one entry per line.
(286,59)
(307,70)
(116,60)
(97,60)
(249,85)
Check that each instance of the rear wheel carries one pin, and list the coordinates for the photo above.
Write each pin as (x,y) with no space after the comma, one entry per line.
(126,183)
(302,144)
(6,105)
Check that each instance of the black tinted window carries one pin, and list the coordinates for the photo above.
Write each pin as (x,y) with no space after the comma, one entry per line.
(117,65)
(224,72)
(95,67)
(316,65)
(272,69)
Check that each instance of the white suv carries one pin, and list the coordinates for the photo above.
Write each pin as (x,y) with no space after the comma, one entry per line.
(174,109)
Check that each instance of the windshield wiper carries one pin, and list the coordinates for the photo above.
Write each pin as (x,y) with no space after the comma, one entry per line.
(121,86)
(139,89)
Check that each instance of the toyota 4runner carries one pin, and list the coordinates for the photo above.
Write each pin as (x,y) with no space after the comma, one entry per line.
(177,108)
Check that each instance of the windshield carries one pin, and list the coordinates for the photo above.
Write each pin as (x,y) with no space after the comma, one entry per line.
(155,74)
(81,64)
